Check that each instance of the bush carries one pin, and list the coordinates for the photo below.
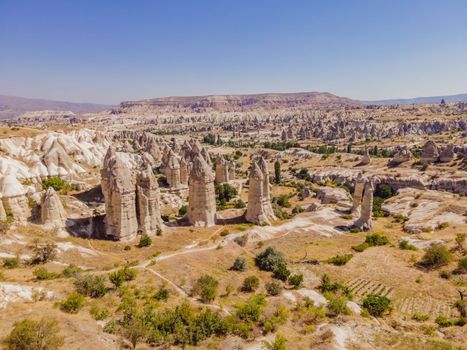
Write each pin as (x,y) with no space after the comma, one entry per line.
(225,192)
(35,335)
(144,241)
(239,204)
(462,265)
(405,245)
(420,317)
(340,260)
(337,305)
(206,287)
(435,256)
(333,287)
(376,239)
(162,294)
(273,288)
(98,313)
(11,263)
(123,275)
(71,271)
(55,182)
(445,322)
(250,284)
(277,344)
(281,272)
(41,274)
(296,280)
(283,201)
(183,210)
(43,253)
(224,232)
(73,303)
(445,274)
(90,285)
(252,309)
(361,247)
(355,230)
(239,264)
(269,259)
(376,305)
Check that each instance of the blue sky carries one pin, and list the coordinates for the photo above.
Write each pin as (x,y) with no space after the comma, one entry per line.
(106,51)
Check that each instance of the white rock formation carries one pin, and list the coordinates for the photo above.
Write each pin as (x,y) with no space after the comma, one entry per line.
(364,222)
(14,198)
(222,170)
(52,212)
(357,194)
(257,210)
(148,202)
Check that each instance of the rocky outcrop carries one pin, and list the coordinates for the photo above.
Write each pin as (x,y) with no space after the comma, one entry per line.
(332,195)
(148,202)
(257,210)
(364,222)
(120,198)
(202,196)
(403,155)
(52,212)
(447,154)
(366,157)
(357,194)
(430,153)
(172,171)
(15,202)
(232,167)
(222,170)
(183,172)
(267,206)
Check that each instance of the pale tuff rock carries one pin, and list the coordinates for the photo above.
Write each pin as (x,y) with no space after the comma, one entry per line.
(357,195)
(119,194)
(172,171)
(185,150)
(430,153)
(148,202)
(364,222)
(14,197)
(183,172)
(332,195)
(52,212)
(284,135)
(153,149)
(222,170)
(256,212)
(267,206)
(403,155)
(3,216)
(447,154)
(366,157)
(202,196)
(205,154)
(232,167)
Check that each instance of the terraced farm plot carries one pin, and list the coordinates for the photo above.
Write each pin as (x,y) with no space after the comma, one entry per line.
(425,306)
(362,287)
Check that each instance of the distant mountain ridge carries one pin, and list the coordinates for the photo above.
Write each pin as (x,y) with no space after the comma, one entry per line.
(421,100)
(13,106)
(243,102)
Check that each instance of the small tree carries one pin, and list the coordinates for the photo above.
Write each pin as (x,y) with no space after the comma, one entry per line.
(277,171)
(250,284)
(296,280)
(43,253)
(92,286)
(35,335)
(206,287)
(273,288)
(281,272)
(240,264)
(73,303)
(435,256)
(144,241)
(376,305)
(269,259)
(277,344)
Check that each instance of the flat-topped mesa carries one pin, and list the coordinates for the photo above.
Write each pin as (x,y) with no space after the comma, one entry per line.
(184,172)
(430,153)
(255,211)
(222,170)
(447,154)
(357,194)
(120,198)
(364,222)
(52,212)
(148,203)
(267,206)
(366,157)
(13,197)
(172,171)
(202,196)
(403,155)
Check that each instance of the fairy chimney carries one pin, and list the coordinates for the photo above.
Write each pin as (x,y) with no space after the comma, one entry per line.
(148,202)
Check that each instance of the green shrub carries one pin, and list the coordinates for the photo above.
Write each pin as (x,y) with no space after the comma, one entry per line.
(90,285)
(71,271)
(144,241)
(28,334)
(462,265)
(278,343)
(435,256)
(405,245)
(42,274)
(296,280)
(360,247)
(376,305)
(337,305)
(269,259)
(239,204)
(445,274)
(281,272)
(98,313)
(283,201)
(183,210)
(225,192)
(445,322)
(273,288)
(355,230)
(252,309)
(162,294)
(159,232)
(206,287)
(11,263)
(224,232)
(73,303)
(420,317)
(250,284)
(376,239)
(340,260)
(240,264)
(125,274)
(55,182)
(328,286)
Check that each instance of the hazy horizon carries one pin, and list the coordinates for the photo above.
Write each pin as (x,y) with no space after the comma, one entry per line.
(111,51)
